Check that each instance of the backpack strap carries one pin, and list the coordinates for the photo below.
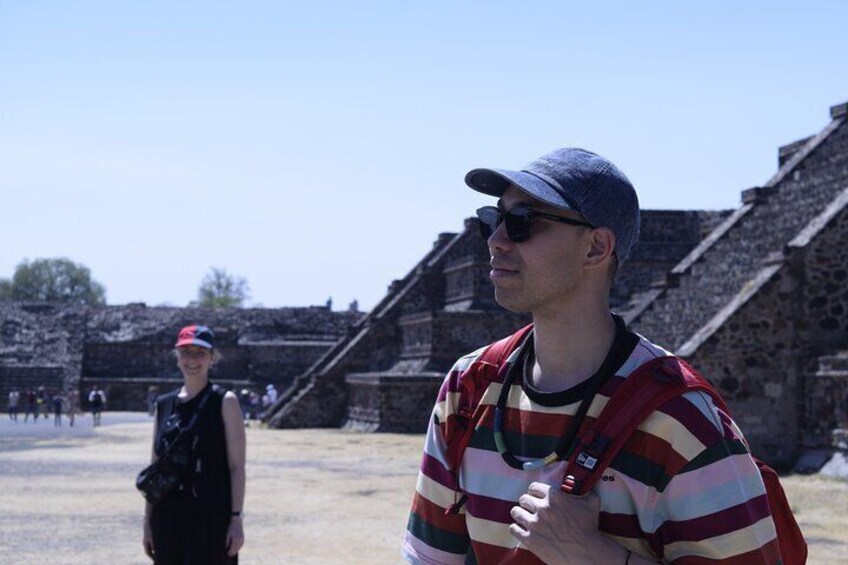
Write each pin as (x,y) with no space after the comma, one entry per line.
(490,366)
(645,390)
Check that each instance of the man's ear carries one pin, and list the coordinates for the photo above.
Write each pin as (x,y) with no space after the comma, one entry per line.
(601,247)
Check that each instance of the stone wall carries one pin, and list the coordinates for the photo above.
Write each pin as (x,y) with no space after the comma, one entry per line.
(752,360)
(127,349)
(390,403)
(823,330)
(665,237)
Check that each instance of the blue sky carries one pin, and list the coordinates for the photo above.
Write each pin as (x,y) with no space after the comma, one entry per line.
(318,148)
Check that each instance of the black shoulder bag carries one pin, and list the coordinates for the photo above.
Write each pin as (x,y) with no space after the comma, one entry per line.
(164,476)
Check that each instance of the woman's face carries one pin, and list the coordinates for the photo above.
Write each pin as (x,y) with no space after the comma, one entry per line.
(194,361)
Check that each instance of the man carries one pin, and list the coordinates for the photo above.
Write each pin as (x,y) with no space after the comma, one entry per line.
(682,490)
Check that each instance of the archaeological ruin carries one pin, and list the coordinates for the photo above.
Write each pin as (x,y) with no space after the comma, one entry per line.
(756,297)
(125,350)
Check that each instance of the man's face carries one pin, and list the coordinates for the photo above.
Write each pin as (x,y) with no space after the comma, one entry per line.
(541,273)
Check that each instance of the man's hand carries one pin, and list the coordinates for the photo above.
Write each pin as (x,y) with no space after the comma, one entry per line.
(562,528)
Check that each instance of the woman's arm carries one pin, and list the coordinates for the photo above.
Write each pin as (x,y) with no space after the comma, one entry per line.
(234,431)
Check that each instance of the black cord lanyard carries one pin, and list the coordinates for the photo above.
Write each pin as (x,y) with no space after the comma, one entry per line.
(565,445)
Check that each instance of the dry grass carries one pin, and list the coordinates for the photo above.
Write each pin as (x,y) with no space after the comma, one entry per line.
(314,496)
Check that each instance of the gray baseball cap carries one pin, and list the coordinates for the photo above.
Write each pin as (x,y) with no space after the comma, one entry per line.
(573,179)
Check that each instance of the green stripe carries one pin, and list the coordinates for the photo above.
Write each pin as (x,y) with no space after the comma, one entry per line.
(716,452)
(436,537)
(521,445)
(643,470)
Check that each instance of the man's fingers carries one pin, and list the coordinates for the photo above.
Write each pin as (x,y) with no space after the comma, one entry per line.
(539,490)
(518,532)
(522,517)
(528,502)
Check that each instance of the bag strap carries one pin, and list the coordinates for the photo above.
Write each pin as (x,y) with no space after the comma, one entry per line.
(191,423)
(645,390)
(490,366)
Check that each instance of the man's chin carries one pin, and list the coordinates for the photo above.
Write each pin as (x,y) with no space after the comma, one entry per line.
(511,302)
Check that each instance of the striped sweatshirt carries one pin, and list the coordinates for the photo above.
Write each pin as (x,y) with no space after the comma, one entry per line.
(682,490)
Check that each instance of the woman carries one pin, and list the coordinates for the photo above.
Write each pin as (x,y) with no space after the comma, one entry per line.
(200,523)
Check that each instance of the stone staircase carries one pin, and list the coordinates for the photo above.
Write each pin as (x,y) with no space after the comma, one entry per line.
(709,278)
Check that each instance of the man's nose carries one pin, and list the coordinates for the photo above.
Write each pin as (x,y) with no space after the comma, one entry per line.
(499,238)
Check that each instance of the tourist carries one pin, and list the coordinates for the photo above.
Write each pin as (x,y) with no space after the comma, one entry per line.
(14,398)
(271,390)
(200,523)
(41,401)
(72,406)
(31,406)
(684,489)
(96,403)
(58,401)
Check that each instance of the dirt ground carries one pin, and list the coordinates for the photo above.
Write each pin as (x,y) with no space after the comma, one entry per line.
(314,496)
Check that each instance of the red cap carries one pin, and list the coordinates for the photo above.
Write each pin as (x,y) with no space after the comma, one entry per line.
(196,335)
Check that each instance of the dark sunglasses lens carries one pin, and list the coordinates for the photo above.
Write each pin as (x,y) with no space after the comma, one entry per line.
(488,219)
(517,224)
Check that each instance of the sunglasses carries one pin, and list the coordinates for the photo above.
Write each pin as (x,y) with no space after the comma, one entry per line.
(517,220)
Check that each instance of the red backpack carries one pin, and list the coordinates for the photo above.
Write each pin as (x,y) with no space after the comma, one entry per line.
(648,388)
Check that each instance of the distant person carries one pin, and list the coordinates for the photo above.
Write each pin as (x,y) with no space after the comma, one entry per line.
(41,401)
(14,399)
(201,522)
(58,401)
(244,401)
(271,390)
(96,402)
(31,406)
(254,405)
(72,406)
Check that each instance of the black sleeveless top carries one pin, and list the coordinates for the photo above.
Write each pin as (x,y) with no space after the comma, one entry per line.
(207,485)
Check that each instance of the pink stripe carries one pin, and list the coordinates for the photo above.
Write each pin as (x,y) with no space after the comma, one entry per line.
(416,551)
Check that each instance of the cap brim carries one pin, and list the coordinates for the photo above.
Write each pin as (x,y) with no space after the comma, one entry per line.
(494,182)
(197,342)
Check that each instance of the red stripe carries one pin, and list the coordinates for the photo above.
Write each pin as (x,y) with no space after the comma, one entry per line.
(450,384)
(656,450)
(487,508)
(487,553)
(531,423)
(681,410)
(717,523)
(622,525)
(769,554)
(433,469)
(434,515)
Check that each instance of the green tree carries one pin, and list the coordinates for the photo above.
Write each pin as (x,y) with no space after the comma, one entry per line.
(220,289)
(53,280)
